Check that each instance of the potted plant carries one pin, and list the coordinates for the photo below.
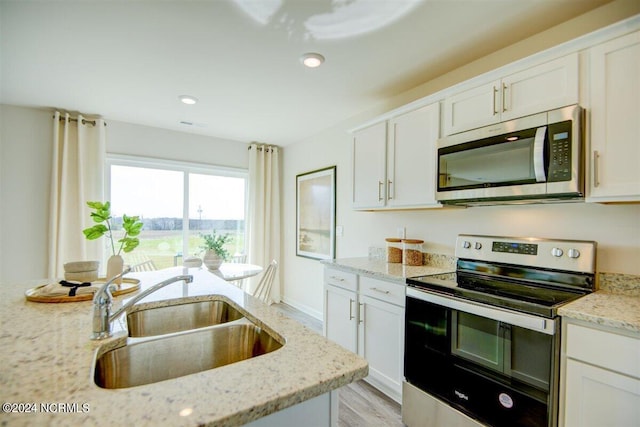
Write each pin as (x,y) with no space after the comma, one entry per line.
(131,225)
(215,253)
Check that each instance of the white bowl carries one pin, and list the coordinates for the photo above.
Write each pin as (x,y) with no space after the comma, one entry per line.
(82,276)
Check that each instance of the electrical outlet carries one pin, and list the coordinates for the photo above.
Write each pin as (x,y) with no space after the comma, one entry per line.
(402,232)
(339,230)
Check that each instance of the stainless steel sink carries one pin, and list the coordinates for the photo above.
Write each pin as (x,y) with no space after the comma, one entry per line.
(174,356)
(148,322)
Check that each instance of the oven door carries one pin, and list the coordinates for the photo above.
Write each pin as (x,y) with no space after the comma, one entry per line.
(498,366)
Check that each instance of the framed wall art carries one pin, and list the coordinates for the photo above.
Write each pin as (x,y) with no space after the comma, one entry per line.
(316,214)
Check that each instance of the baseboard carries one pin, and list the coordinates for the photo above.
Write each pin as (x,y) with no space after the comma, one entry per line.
(303,308)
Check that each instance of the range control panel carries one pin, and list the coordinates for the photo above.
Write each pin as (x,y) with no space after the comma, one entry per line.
(568,255)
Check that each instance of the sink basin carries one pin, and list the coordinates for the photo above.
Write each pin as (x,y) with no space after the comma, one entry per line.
(174,356)
(180,317)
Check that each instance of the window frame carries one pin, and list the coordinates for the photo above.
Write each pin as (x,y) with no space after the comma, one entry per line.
(186,168)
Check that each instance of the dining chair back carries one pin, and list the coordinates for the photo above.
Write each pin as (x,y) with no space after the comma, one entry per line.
(263,290)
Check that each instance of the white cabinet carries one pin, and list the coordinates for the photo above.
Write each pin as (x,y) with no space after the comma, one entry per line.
(369,322)
(394,162)
(341,308)
(601,378)
(614,155)
(547,86)
(369,167)
(411,158)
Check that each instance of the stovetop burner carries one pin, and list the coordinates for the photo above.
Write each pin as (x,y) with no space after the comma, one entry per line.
(533,286)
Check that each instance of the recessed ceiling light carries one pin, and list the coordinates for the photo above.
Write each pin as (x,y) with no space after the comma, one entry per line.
(187,99)
(312,60)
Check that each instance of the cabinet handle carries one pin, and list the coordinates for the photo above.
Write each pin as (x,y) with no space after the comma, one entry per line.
(389,182)
(380,290)
(351,309)
(596,170)
(380,184)
(361,313)
(495,92)
(339,279)
(504,97)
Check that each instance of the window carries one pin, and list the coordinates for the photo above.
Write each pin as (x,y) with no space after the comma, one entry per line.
(178,203)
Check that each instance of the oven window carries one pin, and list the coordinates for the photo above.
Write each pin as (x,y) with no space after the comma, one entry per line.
(531,356)
(502,163)
(478,339)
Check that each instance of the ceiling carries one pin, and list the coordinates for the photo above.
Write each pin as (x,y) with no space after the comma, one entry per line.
(130,60)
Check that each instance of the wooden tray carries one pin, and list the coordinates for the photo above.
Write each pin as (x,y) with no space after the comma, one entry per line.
(128,285)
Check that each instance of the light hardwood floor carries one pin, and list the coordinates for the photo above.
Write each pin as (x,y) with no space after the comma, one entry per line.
(361,405)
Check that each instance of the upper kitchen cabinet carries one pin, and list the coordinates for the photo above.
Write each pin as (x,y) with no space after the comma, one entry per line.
(369,167)
(547,86)
(394,161)
(614,175)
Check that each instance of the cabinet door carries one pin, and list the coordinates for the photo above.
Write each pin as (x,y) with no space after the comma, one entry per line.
(369,166)
(614,153)
(340,311)
(596,397)
(381,342)
(473,108)
(411,158)
(548,86)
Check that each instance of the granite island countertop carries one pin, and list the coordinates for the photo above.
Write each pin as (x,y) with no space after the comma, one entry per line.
(46,356)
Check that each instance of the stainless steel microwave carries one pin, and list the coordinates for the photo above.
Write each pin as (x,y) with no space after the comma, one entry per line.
(538,158)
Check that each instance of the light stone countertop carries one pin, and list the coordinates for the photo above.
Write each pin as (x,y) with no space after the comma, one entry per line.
(379,268)
(607,309)
(46,356)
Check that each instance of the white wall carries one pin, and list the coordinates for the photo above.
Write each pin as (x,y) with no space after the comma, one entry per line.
(616,228)
(25,168)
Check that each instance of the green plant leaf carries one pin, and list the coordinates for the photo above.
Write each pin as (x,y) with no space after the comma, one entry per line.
(95,232)
(129,243)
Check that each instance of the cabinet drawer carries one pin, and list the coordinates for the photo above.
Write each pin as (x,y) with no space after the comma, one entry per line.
(341,279)
(382,290)
(605,349)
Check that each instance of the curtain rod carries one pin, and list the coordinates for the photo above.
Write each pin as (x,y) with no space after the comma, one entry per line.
(84,121)
(267,149)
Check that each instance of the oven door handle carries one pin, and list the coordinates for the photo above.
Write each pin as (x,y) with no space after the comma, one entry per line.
(534,323)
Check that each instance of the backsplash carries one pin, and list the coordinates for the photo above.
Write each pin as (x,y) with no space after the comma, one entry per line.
(615,283)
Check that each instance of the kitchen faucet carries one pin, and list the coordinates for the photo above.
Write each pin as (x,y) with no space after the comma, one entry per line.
(102,300)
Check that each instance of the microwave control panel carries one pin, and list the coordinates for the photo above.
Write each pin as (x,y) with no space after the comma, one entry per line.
(559,152)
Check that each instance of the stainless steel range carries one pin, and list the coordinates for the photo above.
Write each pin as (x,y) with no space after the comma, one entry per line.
(482,344)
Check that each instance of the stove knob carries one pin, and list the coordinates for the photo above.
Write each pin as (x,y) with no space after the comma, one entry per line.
(556,252)
(478,245)
(466,244)
(573,253)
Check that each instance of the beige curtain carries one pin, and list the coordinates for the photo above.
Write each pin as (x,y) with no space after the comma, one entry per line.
(263,228)
(77,176)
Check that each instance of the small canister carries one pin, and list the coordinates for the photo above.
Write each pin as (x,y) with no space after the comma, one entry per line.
(412,251)
(394,250)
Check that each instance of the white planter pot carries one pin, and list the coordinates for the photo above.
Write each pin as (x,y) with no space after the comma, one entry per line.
(115,265)
(212,260)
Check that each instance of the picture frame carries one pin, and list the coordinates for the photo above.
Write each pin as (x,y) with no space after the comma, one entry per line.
(316,214)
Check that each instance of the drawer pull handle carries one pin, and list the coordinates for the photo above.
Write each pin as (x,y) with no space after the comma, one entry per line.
(361,313)
(380,290)
(339,279)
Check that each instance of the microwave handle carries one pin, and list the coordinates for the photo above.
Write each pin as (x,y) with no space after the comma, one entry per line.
(538,154)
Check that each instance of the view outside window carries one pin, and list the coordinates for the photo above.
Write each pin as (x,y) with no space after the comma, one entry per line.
(166,200)
(216,203)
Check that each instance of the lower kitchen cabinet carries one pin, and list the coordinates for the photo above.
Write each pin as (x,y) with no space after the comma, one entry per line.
(601,378)
(366,316)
